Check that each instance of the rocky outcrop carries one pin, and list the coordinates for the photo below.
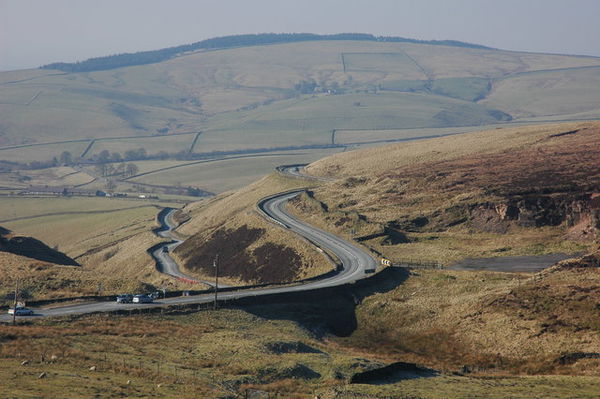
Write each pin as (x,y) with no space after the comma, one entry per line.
(579,213)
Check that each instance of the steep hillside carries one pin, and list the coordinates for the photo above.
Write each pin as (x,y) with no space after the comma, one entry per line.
(251,250)
(518,191)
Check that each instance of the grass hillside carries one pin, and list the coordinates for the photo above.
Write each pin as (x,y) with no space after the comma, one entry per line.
(251,250)
(276,95)
(522,190)
(516,191)
(108,238)
(230,353)
(488,326)
(485,335)
(224,116)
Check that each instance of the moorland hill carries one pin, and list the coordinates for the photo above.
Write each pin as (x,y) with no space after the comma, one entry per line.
(299,94)
(514,191)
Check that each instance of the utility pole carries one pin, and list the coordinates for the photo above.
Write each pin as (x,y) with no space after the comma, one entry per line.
(216,266)
(15,304)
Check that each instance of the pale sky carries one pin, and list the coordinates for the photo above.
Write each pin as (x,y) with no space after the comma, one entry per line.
(36,32)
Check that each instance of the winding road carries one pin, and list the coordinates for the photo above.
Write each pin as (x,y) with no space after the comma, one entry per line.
(356,264)
(164,262)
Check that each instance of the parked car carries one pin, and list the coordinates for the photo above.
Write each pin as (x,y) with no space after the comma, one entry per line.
(155,295)
(20,311)
(142,298)
(165,249)
(125,298)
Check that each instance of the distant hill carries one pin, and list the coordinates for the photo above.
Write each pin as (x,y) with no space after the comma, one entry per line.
(225,42)
(293,91)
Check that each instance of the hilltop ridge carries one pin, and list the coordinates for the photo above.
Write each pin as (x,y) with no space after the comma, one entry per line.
(225,42)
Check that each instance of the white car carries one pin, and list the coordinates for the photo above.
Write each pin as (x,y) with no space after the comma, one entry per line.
(143,298)
(20,311)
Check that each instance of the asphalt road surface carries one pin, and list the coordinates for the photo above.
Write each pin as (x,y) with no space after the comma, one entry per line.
(297,170)
(356,264)
(164,262)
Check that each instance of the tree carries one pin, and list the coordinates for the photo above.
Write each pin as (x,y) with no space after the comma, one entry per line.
(102,169)
(120,169)
(131,169)
(104,156)
(115,157)
(133,155)
(66,158)
(111,185)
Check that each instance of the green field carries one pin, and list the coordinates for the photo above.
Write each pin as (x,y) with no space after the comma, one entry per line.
(246,97)
(222,175)
(41,152)
(152,145)
(13,208)
(74,224)
(564,93)
(397,63)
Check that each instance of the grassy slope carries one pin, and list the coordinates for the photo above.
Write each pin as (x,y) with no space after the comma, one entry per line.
(211,354)
(546,93)
(445,179)
(486,323)
(233,210)
(60,176)
(108,237)
(218,176)
(245,95)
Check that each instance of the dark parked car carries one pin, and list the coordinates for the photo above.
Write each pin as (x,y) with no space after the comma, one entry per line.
(126,298)
(20,311)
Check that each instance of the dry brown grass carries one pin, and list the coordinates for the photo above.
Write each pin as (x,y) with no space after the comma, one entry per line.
(236,209)
(384,158)
(490,322)
(206,354)
(452,181)
(110,247)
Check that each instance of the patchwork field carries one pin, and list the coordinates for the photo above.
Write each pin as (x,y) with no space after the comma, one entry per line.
(152,145)
(288,95)
(220,175)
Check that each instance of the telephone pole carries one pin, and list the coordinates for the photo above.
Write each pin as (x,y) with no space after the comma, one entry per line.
(15,304)
(216,266)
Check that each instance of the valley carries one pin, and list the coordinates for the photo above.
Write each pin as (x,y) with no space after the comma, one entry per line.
(340,277)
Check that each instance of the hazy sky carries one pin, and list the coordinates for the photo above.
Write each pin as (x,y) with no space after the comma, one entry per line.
(36,32)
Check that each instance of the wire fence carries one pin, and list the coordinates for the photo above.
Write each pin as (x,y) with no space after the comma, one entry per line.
(417,264)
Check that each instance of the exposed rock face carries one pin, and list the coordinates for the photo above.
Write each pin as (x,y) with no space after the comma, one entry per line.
(581,214)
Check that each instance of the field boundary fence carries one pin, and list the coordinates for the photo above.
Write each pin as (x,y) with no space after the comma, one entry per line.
(417,264)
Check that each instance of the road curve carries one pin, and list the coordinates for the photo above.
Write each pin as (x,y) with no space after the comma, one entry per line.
(356,263)
(297,171)
(161,254)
